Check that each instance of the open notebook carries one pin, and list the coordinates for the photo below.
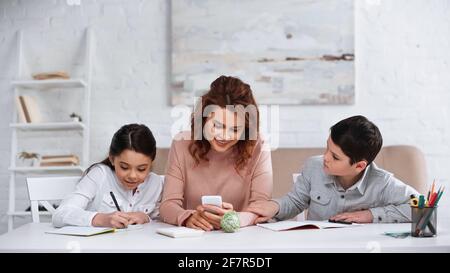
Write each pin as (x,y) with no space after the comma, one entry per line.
(289,225)
(180,232)
(80,231)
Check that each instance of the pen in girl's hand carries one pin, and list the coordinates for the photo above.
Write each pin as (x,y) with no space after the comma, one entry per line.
(115,201)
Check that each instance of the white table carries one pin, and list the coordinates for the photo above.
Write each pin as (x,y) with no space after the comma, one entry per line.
(366,238)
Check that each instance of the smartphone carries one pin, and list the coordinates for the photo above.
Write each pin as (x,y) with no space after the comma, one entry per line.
(215,200)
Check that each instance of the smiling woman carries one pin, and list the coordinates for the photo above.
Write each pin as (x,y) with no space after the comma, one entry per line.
(226,116)
(126,175)
(222,155)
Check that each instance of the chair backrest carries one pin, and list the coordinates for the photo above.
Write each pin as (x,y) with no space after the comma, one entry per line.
(44,189)
(159,165)
(287,161)
(407,163)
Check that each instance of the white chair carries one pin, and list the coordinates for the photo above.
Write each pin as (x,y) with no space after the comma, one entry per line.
(44,189)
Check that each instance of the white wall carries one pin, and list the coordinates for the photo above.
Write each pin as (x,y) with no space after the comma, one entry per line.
(402,73)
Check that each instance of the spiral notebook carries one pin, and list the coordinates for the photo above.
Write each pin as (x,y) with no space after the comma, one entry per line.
(90,231)
(80,231)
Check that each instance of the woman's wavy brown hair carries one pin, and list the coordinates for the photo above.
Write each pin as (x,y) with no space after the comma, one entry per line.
(225,91)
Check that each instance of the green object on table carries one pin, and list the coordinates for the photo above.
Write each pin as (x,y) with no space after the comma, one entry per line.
(400,235)
(230,222)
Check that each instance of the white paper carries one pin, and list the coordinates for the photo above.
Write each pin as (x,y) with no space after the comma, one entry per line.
(179,232)
(131,227)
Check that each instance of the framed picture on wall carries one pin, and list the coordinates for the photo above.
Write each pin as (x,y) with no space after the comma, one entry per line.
(297,52)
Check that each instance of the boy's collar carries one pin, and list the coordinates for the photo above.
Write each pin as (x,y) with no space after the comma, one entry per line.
(361,184)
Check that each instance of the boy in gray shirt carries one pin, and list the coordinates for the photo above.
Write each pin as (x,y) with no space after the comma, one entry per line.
(345,184)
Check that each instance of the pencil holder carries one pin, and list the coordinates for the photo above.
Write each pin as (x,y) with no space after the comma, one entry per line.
(424,221)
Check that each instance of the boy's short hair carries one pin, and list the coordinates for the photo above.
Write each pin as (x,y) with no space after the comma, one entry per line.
(358,138)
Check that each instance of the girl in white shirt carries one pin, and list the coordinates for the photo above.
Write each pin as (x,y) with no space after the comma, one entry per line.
(127,173)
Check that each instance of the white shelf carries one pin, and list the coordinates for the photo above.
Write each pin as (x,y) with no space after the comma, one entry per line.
(54,126)
(25,213)
(47,84)
(47,169)
(77,129)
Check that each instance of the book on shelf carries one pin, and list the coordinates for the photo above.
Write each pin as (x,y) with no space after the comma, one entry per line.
(23,116)
(28,109)
(51,75)
(59,160)
(57,164)
(48,157)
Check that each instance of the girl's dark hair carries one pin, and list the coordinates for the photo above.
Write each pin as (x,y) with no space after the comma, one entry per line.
(358,138)
(225,91)
(134,137)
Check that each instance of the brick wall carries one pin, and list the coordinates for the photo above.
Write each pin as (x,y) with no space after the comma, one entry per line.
(402,73)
